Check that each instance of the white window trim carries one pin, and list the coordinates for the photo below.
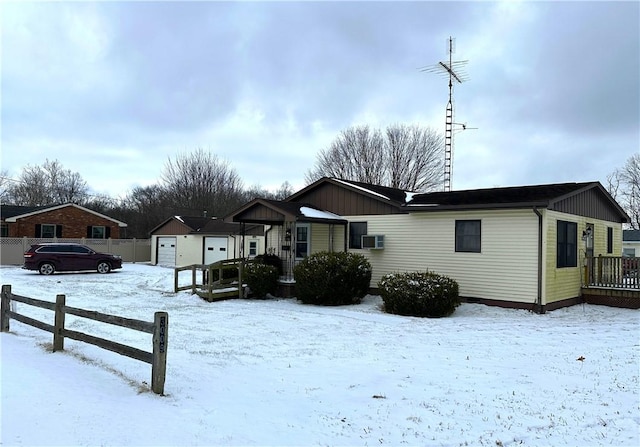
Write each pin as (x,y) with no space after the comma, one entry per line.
(42,231)
(104,231)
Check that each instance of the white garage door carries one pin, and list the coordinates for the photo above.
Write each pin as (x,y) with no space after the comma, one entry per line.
(215,249)
(167,251)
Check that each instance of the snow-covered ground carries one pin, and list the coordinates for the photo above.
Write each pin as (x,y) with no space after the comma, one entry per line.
(277,372)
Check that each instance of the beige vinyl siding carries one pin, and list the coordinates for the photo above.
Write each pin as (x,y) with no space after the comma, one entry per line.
(322,235)
(505,269)
(565,283)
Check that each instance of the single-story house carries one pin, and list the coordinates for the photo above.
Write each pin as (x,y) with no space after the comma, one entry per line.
(69,221)
(186,240)
(520,247)
(631,243)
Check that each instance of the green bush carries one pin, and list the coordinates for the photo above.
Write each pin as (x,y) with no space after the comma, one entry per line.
(270,259)
(261,279)
(419,294)
(332,279)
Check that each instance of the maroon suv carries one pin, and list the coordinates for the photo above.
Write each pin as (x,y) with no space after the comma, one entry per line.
(67,257)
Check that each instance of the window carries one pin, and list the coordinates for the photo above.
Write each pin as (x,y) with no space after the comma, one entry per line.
(609,240)
(253,248)
(567,247)
(468,236)
(302,240)
(356,231)
(47,231)
(630,252)
(98,233)
(4,230)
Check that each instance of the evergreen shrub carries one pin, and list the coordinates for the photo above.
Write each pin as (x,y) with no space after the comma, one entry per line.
(332,279)
(270,259)
(261,279)
(419,294)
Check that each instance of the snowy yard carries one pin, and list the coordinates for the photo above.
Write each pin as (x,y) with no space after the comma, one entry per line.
(276,372)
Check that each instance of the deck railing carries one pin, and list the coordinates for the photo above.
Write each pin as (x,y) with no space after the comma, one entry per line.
(618,272)
(220,280)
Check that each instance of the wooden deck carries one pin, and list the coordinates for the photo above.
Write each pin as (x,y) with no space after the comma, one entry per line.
(612,281)
(213,282)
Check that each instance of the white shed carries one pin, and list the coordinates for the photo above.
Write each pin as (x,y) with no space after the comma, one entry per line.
(186,240)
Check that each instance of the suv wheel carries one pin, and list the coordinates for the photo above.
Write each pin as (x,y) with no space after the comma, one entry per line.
(46,268)
(104,267)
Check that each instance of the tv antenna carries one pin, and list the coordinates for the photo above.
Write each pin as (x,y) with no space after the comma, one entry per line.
(455,71)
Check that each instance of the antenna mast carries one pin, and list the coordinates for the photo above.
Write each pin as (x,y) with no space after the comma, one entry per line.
(454,69)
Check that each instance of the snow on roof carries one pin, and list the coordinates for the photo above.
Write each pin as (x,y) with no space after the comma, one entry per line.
(318,214)
(179,218)
(408,196)
(362,189)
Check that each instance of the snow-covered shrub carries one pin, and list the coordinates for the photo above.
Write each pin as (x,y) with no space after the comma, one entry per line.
(419,294)
(270,259)
(261,279)
(332,279)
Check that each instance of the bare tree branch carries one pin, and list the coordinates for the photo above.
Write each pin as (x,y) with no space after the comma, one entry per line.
(404,157)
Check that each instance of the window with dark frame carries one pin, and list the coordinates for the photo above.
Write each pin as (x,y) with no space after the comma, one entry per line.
(47,231)
(468,236)
(567,244)
(302,240)
(609,240)
(98,232)
(356,231)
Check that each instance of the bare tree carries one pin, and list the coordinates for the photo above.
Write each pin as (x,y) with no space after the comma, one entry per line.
(257,191)
(404,157)
(624,185)
(356,154)
(415,157)
(200,182)
(47,184)
(4,185)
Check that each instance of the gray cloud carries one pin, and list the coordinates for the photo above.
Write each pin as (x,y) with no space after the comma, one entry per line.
(113,89)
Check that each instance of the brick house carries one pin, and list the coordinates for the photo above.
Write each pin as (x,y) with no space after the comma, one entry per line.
(69,221)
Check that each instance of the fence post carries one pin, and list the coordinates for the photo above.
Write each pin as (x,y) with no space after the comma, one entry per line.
(193,279)
(159,362)
(4,307)
(240,272)
(58,323)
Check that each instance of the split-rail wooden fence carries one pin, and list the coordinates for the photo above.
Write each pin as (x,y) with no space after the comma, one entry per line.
(159,328)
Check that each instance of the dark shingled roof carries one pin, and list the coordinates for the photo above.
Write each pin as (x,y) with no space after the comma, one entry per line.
(631,235)
(194,222)
(16,210)
(518,195)
(393,194)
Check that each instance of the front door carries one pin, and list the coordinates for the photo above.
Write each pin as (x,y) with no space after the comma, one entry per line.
(215,249)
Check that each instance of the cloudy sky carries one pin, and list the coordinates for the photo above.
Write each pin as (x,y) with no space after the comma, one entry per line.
(112,90)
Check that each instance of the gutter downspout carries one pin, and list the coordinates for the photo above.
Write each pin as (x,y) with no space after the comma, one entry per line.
(539,298)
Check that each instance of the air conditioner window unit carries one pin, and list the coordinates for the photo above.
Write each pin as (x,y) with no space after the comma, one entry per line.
(373,241)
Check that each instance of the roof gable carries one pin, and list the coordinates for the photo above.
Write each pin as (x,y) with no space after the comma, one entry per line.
(14,213)
(346,197)
(274,212)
